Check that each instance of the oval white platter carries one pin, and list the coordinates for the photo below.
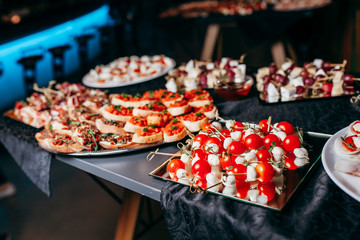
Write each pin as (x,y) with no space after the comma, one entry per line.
(348,183)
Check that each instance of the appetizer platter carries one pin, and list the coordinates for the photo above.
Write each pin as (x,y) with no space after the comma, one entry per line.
(262,164)
(296,5)
(341,159)
(80,121)
(206,74)
(316,79)
(197,9)
(205,8)
(128,70)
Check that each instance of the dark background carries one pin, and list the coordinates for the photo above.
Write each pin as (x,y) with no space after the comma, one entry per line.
(327,32)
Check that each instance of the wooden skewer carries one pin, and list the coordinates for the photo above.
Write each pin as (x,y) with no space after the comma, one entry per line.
(242,57)
(355,99)
(323,79)
(339,64)
(151,155)
(269,124)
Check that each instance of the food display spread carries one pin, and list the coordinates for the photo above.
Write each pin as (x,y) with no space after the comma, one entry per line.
(230,7)
(241,160)
(76,118)
(128,70)
(317,79)
(206,74)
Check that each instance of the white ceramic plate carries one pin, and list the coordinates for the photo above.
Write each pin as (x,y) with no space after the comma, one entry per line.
(348,183)
(90,82)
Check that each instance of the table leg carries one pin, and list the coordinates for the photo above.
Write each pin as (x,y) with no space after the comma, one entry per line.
(128,216)
(212,33)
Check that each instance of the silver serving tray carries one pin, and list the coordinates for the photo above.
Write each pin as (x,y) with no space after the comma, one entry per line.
(294,179)
(105,152)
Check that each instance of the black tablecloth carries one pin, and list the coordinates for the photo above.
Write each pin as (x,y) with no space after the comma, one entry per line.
(19,140)
(321,210)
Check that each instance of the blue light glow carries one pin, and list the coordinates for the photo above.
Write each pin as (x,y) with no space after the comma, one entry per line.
(11,81)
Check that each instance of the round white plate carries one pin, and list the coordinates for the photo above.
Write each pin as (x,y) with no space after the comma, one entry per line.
(90,82)
(348,183)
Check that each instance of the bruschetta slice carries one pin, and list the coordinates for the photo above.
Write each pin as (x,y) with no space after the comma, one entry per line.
(154,95)
(89,118)
(209,110)
(159,119)
(94,99)
(127,100)
(57,143)
(110,126)
(87,137)
(179,108)
(148,134)
(58,127)
(194,121)
(174,131)
(116,112)
(115,141)
(135,123)
(170,98)
(189,95)
(201,100)
(144,111)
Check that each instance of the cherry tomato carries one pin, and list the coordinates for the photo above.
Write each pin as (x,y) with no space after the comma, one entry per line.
(253,141)
(208,127)
(353,125)
(225,133)
(265,172)
(175,178)
(201,168)
(270,138)
(349,144)
(226,162)
(239,125)
(263,155)
(242,189)
(199,153)
(239,171)
(327,87)
(236,148)
(286,127)
(267,189)
(291,142)
(201,138)
(201,183)
(264,126)
(289,161)
(209,145)
(174,165)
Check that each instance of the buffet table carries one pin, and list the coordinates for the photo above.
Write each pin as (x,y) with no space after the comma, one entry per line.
(320,209)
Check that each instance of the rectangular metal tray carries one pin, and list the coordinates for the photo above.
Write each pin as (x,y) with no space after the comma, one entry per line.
(294,179)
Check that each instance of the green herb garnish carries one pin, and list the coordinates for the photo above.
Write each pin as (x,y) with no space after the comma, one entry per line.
(348,145)
(125,95)
(118,107)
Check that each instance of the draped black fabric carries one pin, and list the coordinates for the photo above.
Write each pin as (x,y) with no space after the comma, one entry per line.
(19,140)
(320,209)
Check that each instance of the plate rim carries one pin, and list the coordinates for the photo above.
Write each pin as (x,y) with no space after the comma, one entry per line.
(86,82)
(325,162)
